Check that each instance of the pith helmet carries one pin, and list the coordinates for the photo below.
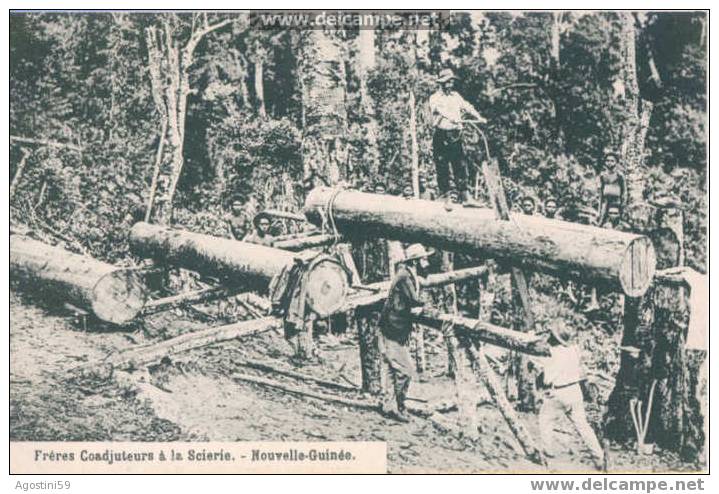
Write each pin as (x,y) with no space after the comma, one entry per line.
(417,251)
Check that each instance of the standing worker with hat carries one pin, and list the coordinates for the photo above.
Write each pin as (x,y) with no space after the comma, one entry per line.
(396,326)
(447,107)
(561,378)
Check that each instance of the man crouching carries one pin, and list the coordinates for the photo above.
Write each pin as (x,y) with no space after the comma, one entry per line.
(396,326)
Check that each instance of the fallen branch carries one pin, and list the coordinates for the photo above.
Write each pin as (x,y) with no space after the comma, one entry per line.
(362,404)
(19,171)
(145,355)
(48,143)
(267,367)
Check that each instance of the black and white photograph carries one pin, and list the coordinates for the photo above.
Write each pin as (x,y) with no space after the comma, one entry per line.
(354,241)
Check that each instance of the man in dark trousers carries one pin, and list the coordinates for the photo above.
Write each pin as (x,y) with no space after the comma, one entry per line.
(396,326)
(448,108)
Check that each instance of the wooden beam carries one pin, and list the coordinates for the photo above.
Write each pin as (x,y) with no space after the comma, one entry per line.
(489,378)
(306,242)
(194,297)
(285,214)
(477,330)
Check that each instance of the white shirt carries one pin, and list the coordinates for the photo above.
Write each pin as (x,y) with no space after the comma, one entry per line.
(563,367)
(447,109)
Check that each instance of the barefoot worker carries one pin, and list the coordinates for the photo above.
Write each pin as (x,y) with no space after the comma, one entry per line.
(396,326)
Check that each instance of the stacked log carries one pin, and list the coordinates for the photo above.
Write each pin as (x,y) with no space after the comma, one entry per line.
(113,294)
(619,260)
(240,264)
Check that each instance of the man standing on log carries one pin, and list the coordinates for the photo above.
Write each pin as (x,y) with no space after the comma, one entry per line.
(447,107)
(396,327)
(561,378)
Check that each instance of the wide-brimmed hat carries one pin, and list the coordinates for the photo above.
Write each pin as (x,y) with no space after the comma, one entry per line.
(561,331)
(611,152)
(417,251)
(446,75)
(261,216)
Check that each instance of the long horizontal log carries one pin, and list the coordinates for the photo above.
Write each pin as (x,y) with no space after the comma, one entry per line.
(113,294)
(621,261)
(475,329)
(239,264)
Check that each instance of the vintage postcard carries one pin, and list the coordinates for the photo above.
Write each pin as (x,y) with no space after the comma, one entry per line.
(357,241)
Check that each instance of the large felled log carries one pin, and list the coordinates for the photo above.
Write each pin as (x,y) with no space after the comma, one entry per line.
(241,264)
(113,294)
(623,261)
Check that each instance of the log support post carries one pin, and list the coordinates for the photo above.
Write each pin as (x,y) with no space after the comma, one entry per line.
(370,357)
(487,376)
(465,398)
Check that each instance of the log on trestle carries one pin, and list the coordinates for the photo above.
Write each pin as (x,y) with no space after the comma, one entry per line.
(113,294)
(240,264)
(621,261)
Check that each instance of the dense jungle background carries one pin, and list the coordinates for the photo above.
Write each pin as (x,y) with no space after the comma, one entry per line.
(117,117)
(87,113)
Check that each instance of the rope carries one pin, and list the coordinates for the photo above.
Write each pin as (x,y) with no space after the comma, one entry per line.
(329,209)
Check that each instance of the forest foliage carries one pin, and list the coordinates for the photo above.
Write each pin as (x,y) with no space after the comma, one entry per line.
(82,82)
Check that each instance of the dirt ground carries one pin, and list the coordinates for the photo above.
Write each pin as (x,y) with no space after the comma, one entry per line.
(196,398)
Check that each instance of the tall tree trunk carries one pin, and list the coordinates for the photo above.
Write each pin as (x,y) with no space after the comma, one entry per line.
(367,60)
(655,323)
(324,139)
(170,54)
(260,55)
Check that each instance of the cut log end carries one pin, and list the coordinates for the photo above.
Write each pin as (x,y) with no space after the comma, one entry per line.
(119,296)
(327,287)
(637,268)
